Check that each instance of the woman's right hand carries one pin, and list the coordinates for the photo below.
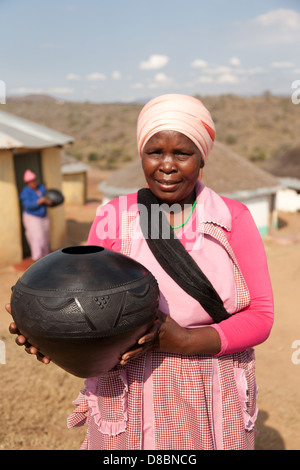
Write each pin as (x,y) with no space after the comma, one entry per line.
(22,341)
(45,200)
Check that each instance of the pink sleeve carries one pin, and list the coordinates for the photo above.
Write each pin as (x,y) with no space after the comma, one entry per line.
(105,228)
(252,325)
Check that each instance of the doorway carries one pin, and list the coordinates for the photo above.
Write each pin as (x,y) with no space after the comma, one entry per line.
(22,162)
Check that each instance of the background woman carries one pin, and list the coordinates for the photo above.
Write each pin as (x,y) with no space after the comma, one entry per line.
(34,217)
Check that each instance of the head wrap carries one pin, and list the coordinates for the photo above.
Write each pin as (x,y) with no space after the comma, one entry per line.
(29,176)
(181,113)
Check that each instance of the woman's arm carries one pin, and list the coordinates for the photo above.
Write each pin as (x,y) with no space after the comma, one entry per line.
(29,200)
(251,326)
(242,330)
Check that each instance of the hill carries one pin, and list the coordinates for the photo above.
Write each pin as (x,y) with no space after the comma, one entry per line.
(105,134)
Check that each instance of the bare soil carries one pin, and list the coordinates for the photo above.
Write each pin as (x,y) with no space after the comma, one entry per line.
(36,399)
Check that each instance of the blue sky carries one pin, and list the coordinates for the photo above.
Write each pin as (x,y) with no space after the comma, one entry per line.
(126,50)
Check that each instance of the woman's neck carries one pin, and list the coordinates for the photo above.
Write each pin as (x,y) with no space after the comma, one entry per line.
(179,213)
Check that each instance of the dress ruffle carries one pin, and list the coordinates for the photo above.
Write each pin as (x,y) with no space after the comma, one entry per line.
(88,402)
(79,416)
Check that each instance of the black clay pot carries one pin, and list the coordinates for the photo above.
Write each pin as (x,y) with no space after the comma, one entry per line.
(55,196)
(84,306)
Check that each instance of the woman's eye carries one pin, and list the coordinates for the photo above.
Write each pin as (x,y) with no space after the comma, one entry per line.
(154,153)
(183,152)
(182,155)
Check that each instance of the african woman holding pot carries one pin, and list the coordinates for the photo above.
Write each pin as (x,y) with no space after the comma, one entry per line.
(190,382)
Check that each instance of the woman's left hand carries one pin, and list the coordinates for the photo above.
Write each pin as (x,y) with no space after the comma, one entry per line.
(165,335)
(168,336)
(145,343)
(176,339)
(172,337)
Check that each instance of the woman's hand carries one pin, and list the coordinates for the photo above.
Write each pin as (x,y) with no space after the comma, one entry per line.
(165,335)
(22,341)
(172,337)
(44,200)
(145,343)
(176,339)
(168,336)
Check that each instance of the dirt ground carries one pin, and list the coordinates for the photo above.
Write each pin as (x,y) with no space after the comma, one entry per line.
(35,399)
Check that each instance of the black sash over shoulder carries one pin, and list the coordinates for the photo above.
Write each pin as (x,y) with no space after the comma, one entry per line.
(174,259)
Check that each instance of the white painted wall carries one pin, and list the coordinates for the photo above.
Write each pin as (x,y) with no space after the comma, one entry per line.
(288,200)
(261,213)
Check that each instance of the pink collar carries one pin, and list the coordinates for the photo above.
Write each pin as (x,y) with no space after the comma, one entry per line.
(214,208)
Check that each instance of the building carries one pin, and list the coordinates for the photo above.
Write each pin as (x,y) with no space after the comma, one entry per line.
(226,173)
(25,144)
(74,180)
(286,167)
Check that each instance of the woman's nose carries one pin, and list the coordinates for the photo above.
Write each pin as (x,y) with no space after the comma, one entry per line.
(167,164)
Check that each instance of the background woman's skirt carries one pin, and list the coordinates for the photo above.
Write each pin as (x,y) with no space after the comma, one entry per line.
(37,234)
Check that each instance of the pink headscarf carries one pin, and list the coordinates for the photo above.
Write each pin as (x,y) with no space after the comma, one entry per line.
(29,176)
(181,113)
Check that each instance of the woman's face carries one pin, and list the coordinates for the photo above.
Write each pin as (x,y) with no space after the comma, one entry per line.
(171,163)
(32,184)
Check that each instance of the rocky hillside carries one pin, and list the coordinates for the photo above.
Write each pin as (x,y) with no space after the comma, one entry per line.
(257,128)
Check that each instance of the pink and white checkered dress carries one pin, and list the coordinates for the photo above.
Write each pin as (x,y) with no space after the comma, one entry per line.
(169,401)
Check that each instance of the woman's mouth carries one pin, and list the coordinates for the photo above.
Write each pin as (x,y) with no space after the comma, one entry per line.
(167,185)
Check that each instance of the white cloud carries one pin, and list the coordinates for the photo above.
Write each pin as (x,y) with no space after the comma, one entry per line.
(116,75)
(73,77)
(221,69)
(235,61)
(282,18)
(282,65)
(256,70)
(27,91)
(199,64)
(137,86)
(154,62)
(96,77)
(160,79)
(39,91)
(228,78)
(280,26)
(205,79)
(61,90)
(226,75)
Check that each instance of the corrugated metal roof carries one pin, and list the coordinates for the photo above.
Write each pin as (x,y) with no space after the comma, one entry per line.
(16,132)
(71,168)
(70,165)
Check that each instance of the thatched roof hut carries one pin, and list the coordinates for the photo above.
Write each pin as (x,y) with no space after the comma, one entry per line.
(226,173)
(286,167)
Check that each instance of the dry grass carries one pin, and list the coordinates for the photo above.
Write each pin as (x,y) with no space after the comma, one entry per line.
(35,402)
